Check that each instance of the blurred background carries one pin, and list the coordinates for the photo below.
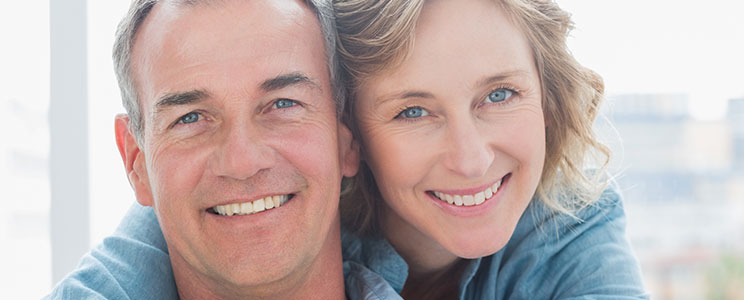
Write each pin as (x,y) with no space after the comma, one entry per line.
(674,117)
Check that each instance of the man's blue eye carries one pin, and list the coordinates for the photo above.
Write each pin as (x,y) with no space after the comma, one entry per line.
(189,118)
(499,95)
(284,103)
(413,112)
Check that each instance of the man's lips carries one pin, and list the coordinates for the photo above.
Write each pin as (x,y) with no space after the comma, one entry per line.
(250,207)
(475,199)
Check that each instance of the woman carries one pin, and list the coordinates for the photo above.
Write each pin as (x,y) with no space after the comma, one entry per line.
(475,125)
(465,110)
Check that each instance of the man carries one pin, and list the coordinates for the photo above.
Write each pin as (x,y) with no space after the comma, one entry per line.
(232,137)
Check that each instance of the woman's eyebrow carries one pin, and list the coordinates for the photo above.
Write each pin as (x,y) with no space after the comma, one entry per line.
(501,76)
(488,80)
(405,94)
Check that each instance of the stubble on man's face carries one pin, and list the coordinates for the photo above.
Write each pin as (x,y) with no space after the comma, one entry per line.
(223,126)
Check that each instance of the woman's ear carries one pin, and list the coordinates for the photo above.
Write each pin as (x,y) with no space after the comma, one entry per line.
(134,160)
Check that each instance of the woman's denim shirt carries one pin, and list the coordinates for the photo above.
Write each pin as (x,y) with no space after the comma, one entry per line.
(549,256)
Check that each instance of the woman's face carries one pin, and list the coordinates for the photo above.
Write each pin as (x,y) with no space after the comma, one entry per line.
(455,135)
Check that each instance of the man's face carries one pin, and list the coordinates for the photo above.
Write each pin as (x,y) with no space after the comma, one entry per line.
(237,107)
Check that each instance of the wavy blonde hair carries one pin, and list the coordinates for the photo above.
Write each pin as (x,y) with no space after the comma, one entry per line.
(375,36)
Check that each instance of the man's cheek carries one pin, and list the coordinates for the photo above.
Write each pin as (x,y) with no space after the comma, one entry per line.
(173,177)
(313,150)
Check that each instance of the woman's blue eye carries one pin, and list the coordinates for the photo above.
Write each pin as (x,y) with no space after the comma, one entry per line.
(413,112)
(189,118)
(284,103)
(499,95)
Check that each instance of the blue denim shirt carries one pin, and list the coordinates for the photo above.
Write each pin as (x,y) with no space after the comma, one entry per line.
(549,256)
(133,263)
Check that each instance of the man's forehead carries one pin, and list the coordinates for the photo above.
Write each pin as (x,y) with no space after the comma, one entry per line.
(176,5)
(177,8)
(193,3)
(173,38)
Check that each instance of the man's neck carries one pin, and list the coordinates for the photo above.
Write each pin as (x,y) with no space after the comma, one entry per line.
(322,279)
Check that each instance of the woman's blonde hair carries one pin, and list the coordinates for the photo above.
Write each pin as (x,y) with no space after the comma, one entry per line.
(375,36)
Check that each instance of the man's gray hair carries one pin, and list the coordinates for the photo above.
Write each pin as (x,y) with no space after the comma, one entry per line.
(138,11)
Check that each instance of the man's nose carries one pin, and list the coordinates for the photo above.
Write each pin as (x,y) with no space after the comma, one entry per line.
(468,151)
(242,152)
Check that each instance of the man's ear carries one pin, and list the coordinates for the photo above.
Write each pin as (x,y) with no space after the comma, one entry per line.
(134,160)
(348,151)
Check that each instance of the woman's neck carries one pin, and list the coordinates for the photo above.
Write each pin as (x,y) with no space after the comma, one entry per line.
(427,260)
(440,285)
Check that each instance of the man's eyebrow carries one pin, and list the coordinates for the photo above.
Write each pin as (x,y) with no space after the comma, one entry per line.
(286,80)
(181,98)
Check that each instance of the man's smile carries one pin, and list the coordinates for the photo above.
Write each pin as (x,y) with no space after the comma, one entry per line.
(250,207)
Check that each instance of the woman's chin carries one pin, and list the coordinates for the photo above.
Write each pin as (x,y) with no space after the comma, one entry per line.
(475,247)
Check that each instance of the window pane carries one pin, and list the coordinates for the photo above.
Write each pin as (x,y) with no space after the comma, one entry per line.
(110,194)
(671,69)
(25,256)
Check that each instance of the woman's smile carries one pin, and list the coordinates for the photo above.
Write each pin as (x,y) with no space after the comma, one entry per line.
(469,197)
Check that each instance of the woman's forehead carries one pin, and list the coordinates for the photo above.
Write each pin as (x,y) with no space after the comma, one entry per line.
(466,41)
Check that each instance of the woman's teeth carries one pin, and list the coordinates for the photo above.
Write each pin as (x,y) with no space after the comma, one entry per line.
(470,200)
(250,207)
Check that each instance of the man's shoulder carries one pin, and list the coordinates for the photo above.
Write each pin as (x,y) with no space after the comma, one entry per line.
(91,280)
(133,263)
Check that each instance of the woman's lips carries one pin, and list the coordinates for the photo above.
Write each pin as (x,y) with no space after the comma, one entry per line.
(471,199)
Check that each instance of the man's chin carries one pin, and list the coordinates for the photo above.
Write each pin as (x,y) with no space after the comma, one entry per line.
(240,273)
(253,274)
(272,250)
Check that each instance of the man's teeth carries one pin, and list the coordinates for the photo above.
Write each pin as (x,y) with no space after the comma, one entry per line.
(248,208)
(470,200)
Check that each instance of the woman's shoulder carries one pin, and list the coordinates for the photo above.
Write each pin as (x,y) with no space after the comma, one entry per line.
(552,231)
(540,219)
(555,255)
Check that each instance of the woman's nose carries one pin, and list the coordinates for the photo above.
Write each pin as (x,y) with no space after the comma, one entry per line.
(469,153)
